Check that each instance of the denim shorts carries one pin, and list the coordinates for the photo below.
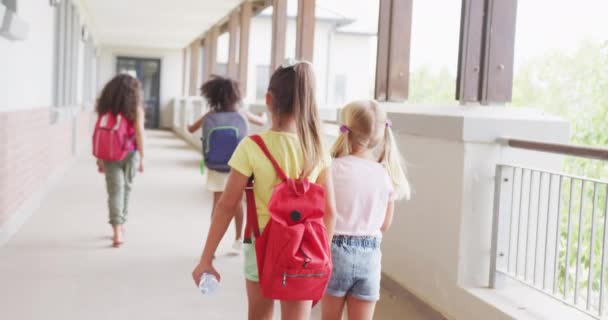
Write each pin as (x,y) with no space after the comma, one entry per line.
(356,267)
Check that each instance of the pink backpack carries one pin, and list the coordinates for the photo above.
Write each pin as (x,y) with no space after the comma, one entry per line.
(112,139)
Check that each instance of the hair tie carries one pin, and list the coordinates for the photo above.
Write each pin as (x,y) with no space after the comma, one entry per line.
(389,123)
(344,129)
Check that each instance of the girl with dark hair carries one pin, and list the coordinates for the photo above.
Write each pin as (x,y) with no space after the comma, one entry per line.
(223,128)
(121,97)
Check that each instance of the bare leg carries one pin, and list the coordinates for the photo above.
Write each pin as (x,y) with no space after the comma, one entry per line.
(216,199)
(360,309)
(117,240)
(296,310)
(332,307)
(260,308)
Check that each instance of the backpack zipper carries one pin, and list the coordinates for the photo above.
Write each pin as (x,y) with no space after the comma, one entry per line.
(310,275)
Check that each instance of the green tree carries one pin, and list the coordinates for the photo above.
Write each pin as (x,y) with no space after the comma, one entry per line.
(575,87)
(430,87)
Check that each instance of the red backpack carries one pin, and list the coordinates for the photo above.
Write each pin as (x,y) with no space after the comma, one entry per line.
(111,138)
(293,255)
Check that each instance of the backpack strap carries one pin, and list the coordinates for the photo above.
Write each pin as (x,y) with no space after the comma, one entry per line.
(252,224)
(118,120)
(260,142)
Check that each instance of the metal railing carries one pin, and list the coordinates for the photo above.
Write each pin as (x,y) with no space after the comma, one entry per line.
(550,229)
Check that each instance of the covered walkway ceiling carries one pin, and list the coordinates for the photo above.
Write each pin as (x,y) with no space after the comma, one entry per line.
(154,23)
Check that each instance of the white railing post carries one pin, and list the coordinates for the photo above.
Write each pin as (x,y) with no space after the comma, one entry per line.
(498,180)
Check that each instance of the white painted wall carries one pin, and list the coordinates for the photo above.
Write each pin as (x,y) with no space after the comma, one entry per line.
(171,73)
(26,67)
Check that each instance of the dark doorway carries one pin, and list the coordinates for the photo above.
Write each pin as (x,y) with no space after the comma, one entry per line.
(148,73)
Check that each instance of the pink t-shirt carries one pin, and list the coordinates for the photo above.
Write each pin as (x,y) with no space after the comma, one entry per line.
(363,190)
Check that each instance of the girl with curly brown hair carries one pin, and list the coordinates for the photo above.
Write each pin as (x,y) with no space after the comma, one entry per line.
(122,96)
(224,100)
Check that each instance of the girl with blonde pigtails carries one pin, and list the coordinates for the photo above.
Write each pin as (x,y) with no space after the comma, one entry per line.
(369,176)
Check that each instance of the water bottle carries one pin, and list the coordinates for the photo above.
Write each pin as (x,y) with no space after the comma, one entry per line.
(208,284)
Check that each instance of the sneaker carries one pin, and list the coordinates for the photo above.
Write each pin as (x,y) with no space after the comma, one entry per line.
(237,246)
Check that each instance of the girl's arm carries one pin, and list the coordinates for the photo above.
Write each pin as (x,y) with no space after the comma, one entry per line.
(259,120)
(388,219)
(139,136)
(224,212)
(100,167)
(329,218)
(196,125)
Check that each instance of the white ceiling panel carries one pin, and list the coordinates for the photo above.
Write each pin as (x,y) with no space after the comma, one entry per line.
(154,23)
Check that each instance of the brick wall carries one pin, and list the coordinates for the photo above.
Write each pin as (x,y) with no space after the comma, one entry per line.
(31,150)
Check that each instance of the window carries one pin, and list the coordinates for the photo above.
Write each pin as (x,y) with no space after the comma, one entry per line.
(340,89)
(345,49)
(290,33)
(227,58)
(565,73)
(434,51)
(260,43)
(221,69)
(67,43)
(222,54)
(89,74)
(560,67)
(262,77)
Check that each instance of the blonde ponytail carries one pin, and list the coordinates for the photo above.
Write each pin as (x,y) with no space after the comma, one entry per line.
(391,158)
(366,127)
(342,146)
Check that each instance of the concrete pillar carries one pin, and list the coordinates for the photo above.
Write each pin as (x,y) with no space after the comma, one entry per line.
(233,30)
(305,35)
(245,27)
(279,28)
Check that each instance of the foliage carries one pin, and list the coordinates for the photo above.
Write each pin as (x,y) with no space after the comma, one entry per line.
(575,87)
(429,87)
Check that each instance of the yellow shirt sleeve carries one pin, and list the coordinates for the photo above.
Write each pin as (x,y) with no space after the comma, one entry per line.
(240,160)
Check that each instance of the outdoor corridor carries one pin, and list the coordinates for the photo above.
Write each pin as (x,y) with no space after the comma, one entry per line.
(60,265)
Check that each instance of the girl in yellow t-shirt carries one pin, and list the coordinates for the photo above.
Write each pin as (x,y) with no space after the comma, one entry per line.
(295,141)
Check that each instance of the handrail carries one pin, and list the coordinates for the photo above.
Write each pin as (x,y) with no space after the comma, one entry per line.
(560,148)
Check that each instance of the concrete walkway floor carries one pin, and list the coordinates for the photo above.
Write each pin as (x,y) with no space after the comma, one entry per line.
(60,264)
